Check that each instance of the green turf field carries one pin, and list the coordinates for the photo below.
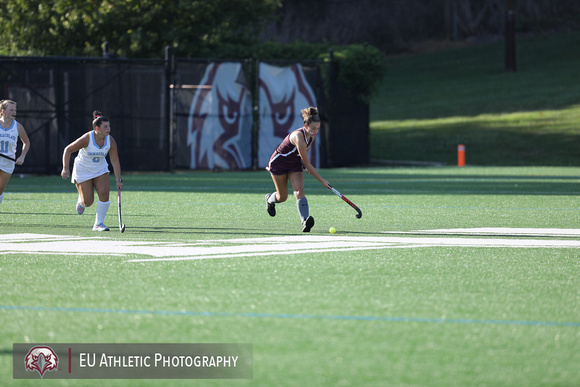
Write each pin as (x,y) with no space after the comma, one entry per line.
(453,276)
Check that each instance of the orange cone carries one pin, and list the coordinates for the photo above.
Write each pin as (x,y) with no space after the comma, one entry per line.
(461,155)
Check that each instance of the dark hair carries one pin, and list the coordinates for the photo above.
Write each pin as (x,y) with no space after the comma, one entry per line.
(310,115)
(98,119)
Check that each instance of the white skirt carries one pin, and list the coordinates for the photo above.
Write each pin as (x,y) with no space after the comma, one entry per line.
(80,174)
(7,165)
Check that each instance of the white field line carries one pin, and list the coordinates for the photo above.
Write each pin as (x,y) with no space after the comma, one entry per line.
(276,246)
(504,231)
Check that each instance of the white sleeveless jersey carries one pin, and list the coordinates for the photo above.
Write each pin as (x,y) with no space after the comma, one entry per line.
(91,162)
(8,141)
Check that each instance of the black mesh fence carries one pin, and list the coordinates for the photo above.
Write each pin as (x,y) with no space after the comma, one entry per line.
(157,111)
(56,98)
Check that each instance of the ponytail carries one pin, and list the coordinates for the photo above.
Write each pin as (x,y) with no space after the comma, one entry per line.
(310,115)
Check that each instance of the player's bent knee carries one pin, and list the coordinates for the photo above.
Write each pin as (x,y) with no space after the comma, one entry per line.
(299,195)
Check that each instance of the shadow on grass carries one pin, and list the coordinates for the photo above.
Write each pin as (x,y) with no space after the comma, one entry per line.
(237,232)
(209,188)
(388,184)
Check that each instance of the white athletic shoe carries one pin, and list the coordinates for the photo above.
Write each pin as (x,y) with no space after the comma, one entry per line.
(100,227)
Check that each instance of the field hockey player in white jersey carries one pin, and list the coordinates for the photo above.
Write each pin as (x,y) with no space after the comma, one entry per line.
(10,131)
(91,171)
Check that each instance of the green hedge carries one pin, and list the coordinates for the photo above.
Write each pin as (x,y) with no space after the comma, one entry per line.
(360,67)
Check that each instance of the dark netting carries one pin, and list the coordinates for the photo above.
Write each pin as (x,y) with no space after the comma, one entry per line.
(57,96)
(152,110)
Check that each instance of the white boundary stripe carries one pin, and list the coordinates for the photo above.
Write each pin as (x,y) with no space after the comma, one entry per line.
(34,237)
(42,244)
(285,252)
(388,243)
(505,231)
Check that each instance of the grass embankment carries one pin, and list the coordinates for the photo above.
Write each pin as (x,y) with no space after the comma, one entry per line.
(431,102)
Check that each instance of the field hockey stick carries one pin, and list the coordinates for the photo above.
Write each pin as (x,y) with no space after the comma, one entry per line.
(359,212)
(121,225)
(7,157)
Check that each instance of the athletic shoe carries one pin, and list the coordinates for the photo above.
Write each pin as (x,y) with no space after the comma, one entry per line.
(307,224)
(271,207)
(100,227)
(80,208)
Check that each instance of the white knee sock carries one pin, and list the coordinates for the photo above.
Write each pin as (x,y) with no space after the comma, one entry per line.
(1,197)
(102,208)
(273,198)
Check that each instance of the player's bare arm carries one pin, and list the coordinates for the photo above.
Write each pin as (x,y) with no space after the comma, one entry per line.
(25,144)
(303,152)
(80,143)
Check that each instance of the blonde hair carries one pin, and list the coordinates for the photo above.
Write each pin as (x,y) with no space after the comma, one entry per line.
(4,104)
(310,115)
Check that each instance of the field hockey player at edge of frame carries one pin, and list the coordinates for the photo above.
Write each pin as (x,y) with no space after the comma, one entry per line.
(10,131)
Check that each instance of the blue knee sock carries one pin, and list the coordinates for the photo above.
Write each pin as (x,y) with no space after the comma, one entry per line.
(302,205)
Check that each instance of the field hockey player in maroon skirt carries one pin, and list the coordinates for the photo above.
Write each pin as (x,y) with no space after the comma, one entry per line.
(287,163)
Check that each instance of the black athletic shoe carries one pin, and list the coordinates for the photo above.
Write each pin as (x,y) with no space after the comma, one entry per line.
(271,207)
(307,224)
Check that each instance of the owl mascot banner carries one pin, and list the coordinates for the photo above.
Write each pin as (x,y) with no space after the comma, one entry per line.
(219,127)
(284,91)
(220,120)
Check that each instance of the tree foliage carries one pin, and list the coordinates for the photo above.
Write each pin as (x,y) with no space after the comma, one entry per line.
(133,28)
(228,29)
